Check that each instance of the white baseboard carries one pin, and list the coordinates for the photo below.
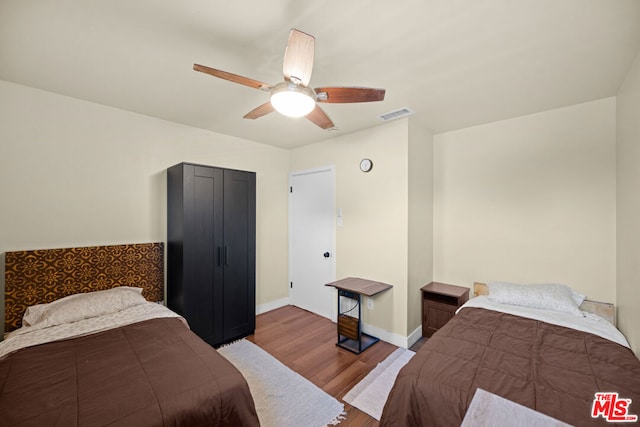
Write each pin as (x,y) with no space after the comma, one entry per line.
(384,335)
(414,336)
(393,338)
(263,308)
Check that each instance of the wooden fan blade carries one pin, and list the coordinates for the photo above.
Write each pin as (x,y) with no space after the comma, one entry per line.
(320,118)
(349,94)
(298,57)
(232,77)
(260,111)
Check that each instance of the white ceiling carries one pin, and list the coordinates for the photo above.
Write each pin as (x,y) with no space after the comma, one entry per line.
(456,63)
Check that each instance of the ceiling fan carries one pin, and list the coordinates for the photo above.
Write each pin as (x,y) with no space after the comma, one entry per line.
(293,97)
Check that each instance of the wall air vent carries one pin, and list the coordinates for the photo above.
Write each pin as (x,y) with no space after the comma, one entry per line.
(396,114)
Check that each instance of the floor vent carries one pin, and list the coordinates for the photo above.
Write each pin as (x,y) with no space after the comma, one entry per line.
(396,114)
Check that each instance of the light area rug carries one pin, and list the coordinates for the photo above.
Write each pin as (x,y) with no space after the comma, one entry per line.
(371,393)
(282,397)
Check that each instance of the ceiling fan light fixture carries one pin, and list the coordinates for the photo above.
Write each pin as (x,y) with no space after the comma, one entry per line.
(292,100)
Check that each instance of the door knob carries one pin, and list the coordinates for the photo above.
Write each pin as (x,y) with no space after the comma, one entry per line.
(326,254)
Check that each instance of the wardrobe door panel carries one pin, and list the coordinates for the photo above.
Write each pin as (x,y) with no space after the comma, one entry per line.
(239,237)
(203,242)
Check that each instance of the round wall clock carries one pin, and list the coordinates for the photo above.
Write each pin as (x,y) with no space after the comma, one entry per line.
(366,165)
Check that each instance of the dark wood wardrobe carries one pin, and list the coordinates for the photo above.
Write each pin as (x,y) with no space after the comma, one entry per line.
(211,235)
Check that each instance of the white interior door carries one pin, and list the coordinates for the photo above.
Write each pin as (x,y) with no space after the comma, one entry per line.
(312,240)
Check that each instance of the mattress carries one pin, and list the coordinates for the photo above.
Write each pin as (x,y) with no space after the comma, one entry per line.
(149,372)
(551,368)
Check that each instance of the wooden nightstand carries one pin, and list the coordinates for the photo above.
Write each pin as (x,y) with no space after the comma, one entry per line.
(439,303)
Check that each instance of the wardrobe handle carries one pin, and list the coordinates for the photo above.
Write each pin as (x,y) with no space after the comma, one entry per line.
(220,249)
(226,255)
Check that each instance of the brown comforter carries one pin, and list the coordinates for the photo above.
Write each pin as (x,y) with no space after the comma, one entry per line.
(151,373)
(551,369)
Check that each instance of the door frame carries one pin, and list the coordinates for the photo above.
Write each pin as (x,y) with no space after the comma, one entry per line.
(332,170)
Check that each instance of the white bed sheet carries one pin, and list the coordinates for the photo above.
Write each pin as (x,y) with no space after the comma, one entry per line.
(27,336)
(589,322)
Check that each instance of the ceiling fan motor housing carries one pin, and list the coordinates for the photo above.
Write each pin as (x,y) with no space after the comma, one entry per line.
(292,99)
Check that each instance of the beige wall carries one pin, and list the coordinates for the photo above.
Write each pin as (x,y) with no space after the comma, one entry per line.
(527,199)
(420,262)
(74,173)
(628,209)
(373,241)
(531,199)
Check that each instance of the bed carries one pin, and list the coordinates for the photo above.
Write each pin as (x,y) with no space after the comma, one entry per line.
(539,350)
(88,344)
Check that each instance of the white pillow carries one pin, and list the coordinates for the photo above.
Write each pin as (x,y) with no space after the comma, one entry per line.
(82,306)
(550,296)
(578,298)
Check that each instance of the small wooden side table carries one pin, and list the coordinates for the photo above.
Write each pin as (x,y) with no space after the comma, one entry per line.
(439,304)
(350,335)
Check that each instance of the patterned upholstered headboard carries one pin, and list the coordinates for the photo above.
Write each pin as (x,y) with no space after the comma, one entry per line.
(42,276)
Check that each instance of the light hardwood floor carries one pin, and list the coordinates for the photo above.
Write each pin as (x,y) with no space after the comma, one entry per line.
(306,343)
